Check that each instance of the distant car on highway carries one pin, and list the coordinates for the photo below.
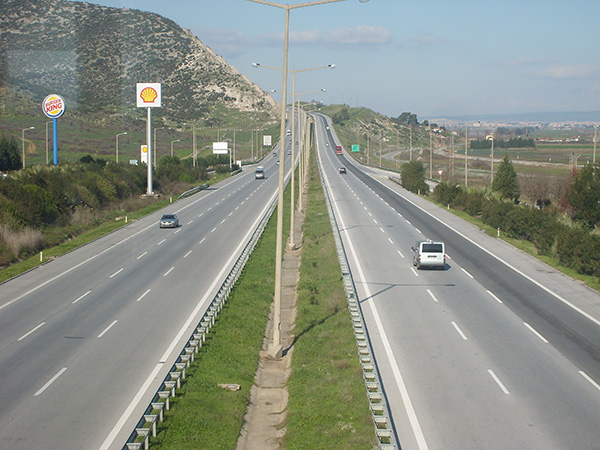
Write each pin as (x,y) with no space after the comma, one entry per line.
(259,173)
(342,170)
(429,254)
(168,221)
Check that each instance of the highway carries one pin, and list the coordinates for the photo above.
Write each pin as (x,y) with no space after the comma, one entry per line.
(498,351)
(86,339)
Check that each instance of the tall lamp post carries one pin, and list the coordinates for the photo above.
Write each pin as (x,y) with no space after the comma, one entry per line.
(293,176)
(176,140)
(595,140)
(47,159)
(23,141)
(303,154)
(275,349)
(490,137)
(117,145)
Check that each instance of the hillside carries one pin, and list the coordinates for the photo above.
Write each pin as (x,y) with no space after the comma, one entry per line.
(93,56)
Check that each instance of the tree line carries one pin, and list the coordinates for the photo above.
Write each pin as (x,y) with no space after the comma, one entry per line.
(566,230)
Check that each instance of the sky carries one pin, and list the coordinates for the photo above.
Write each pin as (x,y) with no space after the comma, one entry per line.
(434,58)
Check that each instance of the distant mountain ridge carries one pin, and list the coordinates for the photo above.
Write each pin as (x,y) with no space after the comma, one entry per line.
(542,117)
(94,56)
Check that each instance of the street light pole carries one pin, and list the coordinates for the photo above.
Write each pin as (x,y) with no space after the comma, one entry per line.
(156,146)
(47,160)
(23,140)
(176,140)
(275,349)
(117,145)
(595,140)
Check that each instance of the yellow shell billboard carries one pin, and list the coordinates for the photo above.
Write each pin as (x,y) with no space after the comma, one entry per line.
(148,95)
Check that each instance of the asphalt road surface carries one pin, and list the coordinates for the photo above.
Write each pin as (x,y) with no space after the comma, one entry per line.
(86,339)
(497,351)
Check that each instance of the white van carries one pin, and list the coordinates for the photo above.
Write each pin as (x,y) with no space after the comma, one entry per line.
(429,254)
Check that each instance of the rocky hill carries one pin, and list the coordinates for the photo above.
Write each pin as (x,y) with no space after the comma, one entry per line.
(93,56)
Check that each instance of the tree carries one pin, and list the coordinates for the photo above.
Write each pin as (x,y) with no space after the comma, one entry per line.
(505,180)
(413,177)
(583,195)
(9,154)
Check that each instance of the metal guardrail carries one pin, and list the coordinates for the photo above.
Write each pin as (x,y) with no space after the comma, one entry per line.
(146,426)
(381,414)
(193,190)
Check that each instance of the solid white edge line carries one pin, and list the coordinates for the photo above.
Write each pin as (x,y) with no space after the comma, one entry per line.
(534,331)
(410,411)
(498,382)
(107,328)
(151,377)
(457,328)
(143,295)
(31,331)
(510,266)
(585,375)
(52,380)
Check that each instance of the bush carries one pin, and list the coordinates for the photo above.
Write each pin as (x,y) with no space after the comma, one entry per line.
(470,202)
(413,177)
(445,193)
(579,250)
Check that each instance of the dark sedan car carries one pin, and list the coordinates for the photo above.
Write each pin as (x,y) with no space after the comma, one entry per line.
(342,170)
(168,221)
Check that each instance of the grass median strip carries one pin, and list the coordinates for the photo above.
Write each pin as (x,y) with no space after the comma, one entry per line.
(328,406)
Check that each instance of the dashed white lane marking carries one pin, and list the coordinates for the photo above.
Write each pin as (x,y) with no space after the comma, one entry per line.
(117,272)
(498,382)
(143,295)
(79,298)
(534,331)
(457,328)
(107,328)
(52,380)
(32,331)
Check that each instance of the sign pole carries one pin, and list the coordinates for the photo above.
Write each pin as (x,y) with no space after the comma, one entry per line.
(55,141)
(149,141)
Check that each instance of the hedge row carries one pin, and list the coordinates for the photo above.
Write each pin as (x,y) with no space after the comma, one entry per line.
(574,247)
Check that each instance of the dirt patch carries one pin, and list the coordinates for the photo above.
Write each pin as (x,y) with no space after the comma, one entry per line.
(264,421)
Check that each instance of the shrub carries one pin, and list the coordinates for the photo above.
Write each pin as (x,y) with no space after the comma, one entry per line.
(579,250)
(413,177)
(445,193)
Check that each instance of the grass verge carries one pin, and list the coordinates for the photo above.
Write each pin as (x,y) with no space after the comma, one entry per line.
(328,406)
(204,415)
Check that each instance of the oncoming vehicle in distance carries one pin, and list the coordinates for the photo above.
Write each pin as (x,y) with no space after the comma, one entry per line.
(168,221)
(429,254)
(259,173)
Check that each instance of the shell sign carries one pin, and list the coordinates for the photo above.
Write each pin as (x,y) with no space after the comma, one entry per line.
(54,106)
(148,95)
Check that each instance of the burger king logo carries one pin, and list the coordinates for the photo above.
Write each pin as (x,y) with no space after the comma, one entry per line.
(53,106)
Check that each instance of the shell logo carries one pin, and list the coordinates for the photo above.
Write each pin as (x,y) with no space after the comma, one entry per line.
(148,95)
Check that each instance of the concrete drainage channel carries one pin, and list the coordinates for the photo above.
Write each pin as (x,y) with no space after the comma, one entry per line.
(146,426)
(386,434)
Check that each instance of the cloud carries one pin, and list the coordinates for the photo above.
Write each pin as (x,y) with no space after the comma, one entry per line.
(575,71)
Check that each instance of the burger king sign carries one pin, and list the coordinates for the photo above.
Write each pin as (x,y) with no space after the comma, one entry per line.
(54,106)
